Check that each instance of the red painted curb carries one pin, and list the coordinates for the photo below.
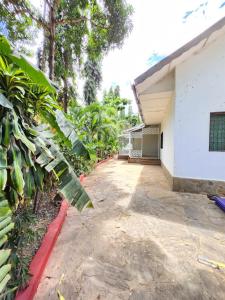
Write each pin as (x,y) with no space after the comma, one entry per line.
(103,161)
(40,259)
(82,176)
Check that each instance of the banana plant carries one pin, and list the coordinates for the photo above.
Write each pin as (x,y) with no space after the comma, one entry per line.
(52,159)
(6,225)
(36,75)
(69,131)
(23,104)
(98,127)
(28,149)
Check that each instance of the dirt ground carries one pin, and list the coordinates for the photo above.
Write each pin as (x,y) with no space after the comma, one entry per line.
(141,242)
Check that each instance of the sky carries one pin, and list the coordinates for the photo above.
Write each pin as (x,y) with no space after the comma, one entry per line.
(159,29)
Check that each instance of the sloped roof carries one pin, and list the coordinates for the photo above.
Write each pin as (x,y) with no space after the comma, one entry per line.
(167,60)
(135,128)
(168,64)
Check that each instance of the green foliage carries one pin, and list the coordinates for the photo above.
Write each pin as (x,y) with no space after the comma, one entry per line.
(72,31)
(24,146)
(28,149)
(98,126)
(80,164)
(52,159)
(69,131)
(132,120)
(113,99)
(92,73)
(6,225)
(23,234)
(123,106)
(33,73)
(19,29)
(110,24)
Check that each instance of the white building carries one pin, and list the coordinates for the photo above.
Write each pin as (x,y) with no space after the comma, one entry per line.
(185,95)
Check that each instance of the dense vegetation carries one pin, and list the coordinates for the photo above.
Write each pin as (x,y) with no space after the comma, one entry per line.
(77,34)
(31,125)
(47,136)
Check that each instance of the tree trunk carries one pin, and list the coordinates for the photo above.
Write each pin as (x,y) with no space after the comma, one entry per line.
(65,81)
(44,53)
(45,41)
(52,24)
(37,199)
(65,94)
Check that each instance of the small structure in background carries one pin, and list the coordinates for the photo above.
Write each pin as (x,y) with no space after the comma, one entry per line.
(141,144)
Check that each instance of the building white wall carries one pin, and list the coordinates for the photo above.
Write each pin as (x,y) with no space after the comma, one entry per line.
(167,127)
(200,89)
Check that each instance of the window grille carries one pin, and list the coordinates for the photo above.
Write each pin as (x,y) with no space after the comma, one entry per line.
(217,132)
(151,130)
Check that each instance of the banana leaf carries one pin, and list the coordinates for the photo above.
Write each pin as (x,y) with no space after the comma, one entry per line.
(36,75)
(69,185)
(69,132)
(6,225)
(5,102)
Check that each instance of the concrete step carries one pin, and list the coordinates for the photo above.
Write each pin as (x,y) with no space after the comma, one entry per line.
(144,161)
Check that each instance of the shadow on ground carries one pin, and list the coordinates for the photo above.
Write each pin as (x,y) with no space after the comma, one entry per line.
(152,197)
(140,242)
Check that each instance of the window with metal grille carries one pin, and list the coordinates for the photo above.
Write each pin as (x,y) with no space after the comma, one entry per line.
(217,132)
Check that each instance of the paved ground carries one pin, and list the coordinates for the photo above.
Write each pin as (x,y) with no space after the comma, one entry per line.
(141,241)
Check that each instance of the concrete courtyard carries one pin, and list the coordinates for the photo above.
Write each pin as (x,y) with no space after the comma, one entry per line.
(141,242)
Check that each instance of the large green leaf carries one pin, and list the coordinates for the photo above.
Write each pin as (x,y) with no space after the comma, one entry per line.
(69,185)
(5,47)
(36,75)
(68,130)
(19,134)
(6,225)
(5,102)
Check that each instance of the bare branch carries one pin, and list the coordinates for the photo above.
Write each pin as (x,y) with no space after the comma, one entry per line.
(25,9)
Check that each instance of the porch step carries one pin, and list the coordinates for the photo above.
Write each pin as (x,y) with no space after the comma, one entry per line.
(144,161)
(125,157)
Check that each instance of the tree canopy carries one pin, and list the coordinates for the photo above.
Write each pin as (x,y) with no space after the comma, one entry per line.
(74,31)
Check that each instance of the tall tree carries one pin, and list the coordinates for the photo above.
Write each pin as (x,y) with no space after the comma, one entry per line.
(19,29)
(72,28)
(92,73)
(113,98)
